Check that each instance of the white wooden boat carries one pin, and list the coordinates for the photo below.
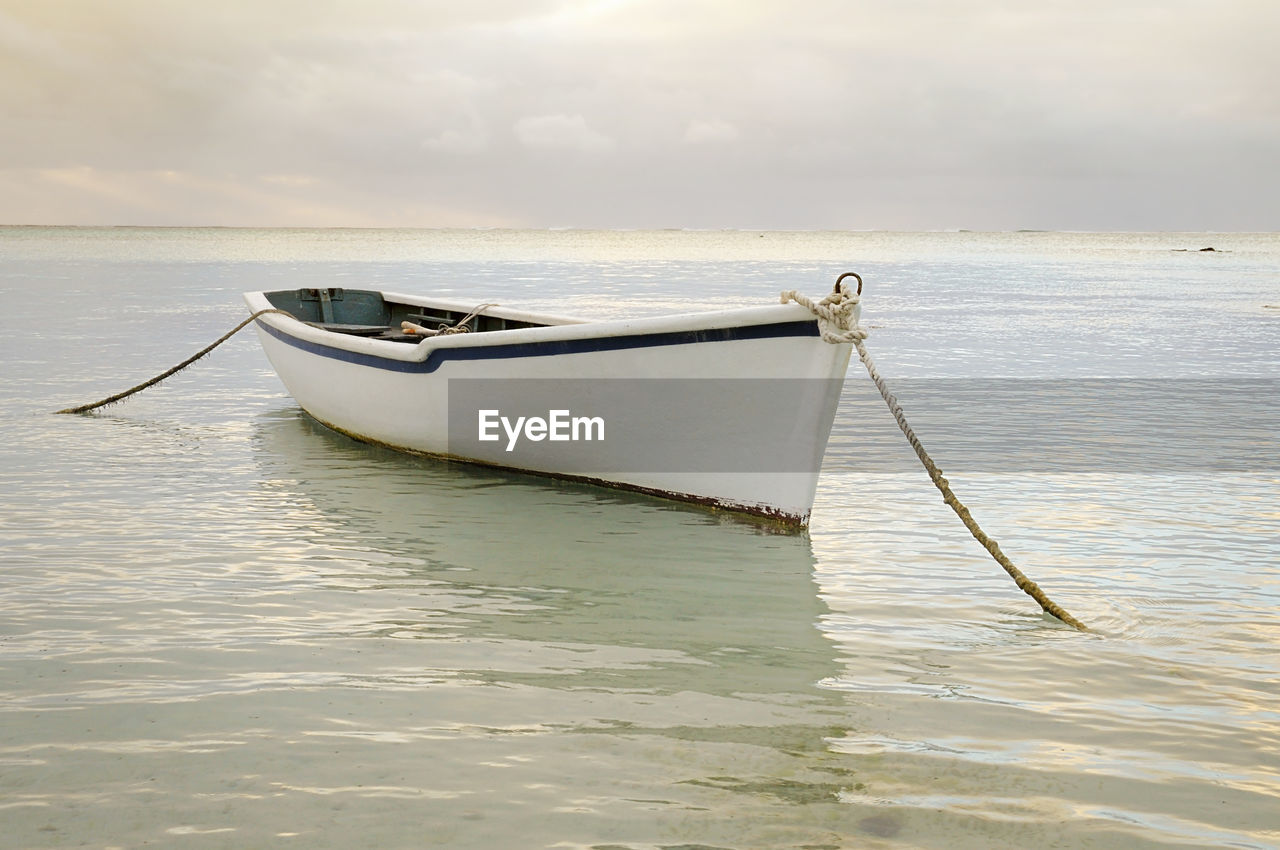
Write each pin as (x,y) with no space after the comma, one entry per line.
(727,408)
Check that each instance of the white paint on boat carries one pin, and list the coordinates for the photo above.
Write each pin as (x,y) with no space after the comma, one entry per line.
(396,394)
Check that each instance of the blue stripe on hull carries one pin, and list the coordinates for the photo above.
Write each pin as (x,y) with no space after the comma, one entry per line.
(549,348)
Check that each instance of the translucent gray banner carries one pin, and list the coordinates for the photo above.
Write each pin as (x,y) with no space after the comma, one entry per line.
(1078,425)
(597,426)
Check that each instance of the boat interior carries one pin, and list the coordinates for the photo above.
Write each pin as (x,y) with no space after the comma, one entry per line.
(364,312)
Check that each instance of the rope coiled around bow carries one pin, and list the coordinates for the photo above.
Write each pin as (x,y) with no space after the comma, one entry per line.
(837,313)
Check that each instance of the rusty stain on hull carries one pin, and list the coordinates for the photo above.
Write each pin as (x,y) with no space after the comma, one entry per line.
(774,518)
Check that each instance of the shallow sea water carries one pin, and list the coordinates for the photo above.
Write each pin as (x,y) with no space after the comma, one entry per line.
(223,626)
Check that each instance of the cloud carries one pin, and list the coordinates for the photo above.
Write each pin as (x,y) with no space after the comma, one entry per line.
(88,196)
(458,142)
(710,132)
(989,114)
(562,132)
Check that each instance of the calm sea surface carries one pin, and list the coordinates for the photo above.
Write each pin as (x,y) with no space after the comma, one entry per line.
(222,626)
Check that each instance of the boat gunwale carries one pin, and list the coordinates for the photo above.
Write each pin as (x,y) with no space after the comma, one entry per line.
(565,330)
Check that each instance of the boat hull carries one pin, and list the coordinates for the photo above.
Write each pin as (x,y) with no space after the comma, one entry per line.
(730,409)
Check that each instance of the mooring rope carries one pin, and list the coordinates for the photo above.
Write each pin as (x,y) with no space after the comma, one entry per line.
(85,408)
(836,322)
(444,329)
(460,326)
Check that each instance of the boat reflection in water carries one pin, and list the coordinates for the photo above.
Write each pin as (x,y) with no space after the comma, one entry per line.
(703,600)
(625,660)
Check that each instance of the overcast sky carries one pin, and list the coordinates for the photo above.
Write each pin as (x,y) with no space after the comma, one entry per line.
(833,114)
